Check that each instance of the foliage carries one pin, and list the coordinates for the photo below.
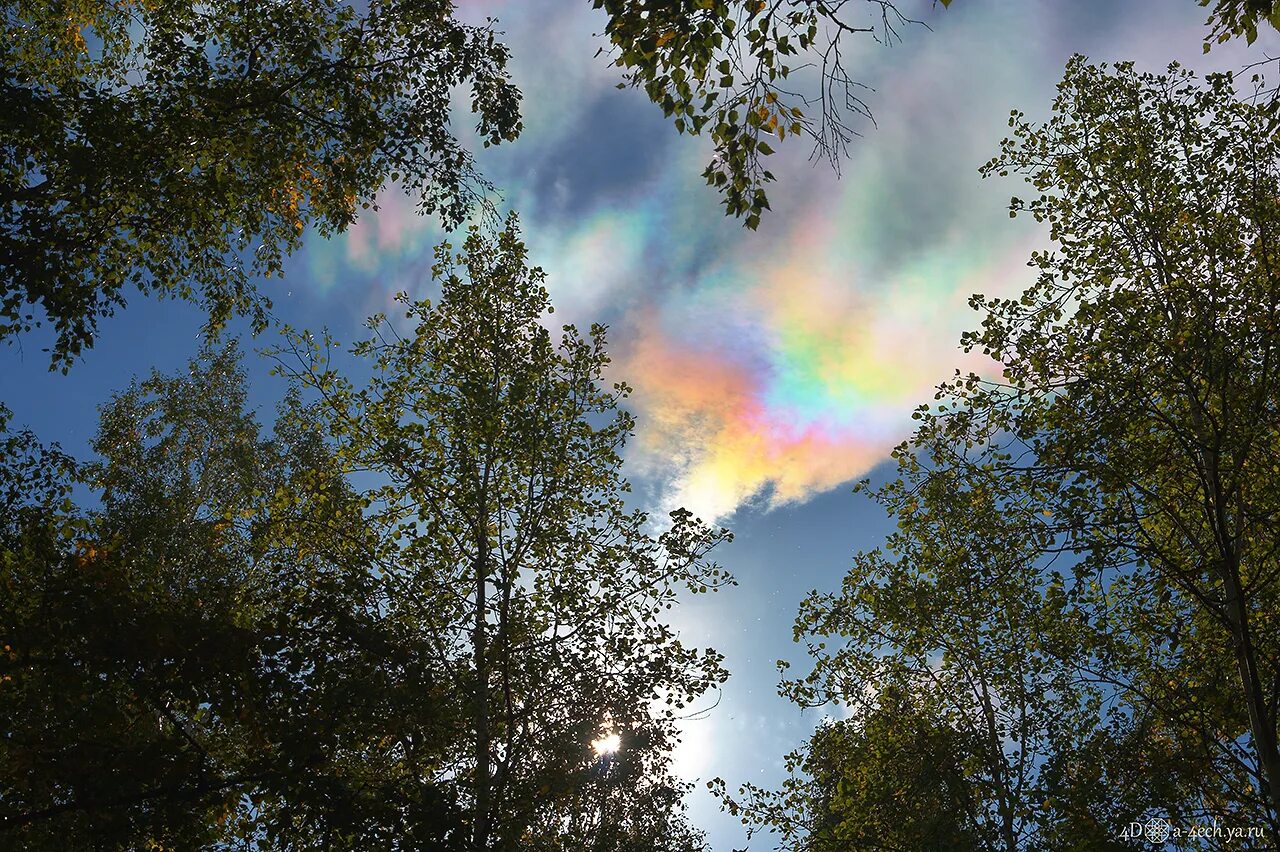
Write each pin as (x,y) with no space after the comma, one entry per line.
(494,455)
(201,658)
(1234,18)
(735,70)
(1141,378)
(182,149)
(1091,538)
(234,648)
(890,781)
(949,654)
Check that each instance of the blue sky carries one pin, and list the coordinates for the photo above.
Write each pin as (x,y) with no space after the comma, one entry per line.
(771,368)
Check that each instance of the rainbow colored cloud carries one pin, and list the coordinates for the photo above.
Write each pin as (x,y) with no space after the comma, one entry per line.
(790,374)
(767,366)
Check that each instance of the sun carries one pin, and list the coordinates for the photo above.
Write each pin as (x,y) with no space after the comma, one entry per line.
(607,745)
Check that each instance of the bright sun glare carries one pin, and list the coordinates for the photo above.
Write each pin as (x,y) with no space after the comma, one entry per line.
(608,744)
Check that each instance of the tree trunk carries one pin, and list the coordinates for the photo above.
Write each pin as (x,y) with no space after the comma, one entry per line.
(1261,719)
(998,770)
(1261,723)
(480,834)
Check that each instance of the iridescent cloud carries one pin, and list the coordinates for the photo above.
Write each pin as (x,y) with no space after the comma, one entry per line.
(774,365)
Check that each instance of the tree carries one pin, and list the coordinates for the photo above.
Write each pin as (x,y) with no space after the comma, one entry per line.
(495,462)
(1088,540)
(180,149)
(201,659)
(890,780)
(951,654)
(1140,395)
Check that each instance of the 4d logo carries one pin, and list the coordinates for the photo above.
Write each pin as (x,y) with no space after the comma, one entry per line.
(1154,830)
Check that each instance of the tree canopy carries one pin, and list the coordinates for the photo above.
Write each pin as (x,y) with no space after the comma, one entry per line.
(510,545)
(201,658)
(233,644)
(1088,539)
(422,609)
(182,149)
(1140,367)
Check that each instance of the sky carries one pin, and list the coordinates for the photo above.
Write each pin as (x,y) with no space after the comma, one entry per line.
(771,369)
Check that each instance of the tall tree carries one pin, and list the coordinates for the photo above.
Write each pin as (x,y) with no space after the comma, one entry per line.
(1089,539)
(497,450)
(1141,389)
(949,658)
(201,659)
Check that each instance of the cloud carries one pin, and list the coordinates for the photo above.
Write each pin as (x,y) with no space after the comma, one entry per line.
(768,366)
(781,376)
